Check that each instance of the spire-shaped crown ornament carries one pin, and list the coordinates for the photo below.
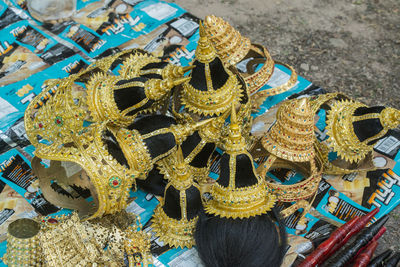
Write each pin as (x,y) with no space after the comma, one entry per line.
(292,135)
(239,192)
(175,218)
(212,87)
(232,47)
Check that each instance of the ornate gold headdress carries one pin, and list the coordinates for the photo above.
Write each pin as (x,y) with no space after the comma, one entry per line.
(111,180)
(230,199)
(342,134)
(204,99)
(234,48)
(101,102)
(290,145)
(177,232)
(292,136)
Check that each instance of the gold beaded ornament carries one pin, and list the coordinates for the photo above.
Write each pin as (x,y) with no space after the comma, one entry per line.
(289,144)
(176,233)
(213,101)
(342,138)
(75,243)
(23,248)
(238,202)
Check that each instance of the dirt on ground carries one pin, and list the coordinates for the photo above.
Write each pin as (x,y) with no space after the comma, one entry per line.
(352,46)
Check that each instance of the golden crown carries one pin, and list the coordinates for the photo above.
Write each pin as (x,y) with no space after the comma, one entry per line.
(292,135)
(56,129)
(342,138)
(177,233)
(213,101)
(234,202)
(233,48)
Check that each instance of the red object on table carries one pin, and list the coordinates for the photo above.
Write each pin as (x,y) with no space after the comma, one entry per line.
(365,257)
(319,254)
(337,239)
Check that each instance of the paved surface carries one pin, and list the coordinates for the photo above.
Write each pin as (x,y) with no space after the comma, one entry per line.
(351,46)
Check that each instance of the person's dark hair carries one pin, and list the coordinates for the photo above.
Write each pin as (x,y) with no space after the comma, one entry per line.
(247,242)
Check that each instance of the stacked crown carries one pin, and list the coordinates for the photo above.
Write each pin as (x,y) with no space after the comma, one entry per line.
(231,46)
(292,136)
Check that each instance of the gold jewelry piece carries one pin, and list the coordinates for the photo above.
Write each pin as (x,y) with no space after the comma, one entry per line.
(177,233)
(101,102)
(75,243)
(259,97)
(23,247)
(238,202)
(214,101)
(292,135)
(137,247)
(342,138)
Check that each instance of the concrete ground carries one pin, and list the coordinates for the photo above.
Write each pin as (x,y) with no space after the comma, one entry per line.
(351,46)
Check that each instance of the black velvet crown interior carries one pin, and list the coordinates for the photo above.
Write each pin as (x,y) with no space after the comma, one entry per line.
(154,183)
(131,95)
(218,75)
(201,159)
(114,148)
(151,123)
(365,129)
(244,173)
(172,205)
(157,144)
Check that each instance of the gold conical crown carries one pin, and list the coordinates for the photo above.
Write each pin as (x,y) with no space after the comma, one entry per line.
(292,136)
(233,201)
(231,46)
(209,100)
